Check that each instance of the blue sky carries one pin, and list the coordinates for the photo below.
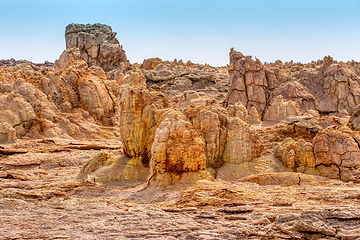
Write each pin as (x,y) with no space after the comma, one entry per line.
(200,31)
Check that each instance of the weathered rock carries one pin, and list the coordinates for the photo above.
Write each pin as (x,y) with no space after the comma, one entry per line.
(103,168)
(17,116)
(82,87)
(150,63)
(266,163)
(305,126)
(354,121)
(297,155)
(97,45)
(209,120)
(242,144)
(248,83)
(177,153)
(139,118)
(295,92)
(337,154)
(335,87)
(280,109)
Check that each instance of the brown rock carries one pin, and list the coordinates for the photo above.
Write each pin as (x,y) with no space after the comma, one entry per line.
(209,120)
(297,155)
(242,144)
(82,87)
(248,83)
(150,63)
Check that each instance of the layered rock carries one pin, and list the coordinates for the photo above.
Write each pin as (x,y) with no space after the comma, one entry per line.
(96,44)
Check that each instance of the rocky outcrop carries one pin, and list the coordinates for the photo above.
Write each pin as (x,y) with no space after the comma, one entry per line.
(175,78)
(16,118)
(242,144)
(280,109)
(293,91)
(209,119)
(78,86)
(139,118)
(150,63)
(177,154)
(335,87)
(297,155)
(248,83)
(96,44)
(337,154)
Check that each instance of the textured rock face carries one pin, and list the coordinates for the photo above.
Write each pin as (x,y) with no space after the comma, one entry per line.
(297,155)
(336,87)
(80,86)
(242,144)
(17,115)
(177,154)
(248,83)
(139,118)
(337,154)
(96,44)
(280,109)
(295,92)
(209,119)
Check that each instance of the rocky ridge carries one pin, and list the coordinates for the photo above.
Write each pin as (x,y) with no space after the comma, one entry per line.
(179,132)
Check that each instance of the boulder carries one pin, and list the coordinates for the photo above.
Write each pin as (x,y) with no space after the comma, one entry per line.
(297,155)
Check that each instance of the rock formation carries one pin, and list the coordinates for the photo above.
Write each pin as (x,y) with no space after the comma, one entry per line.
(178,153)
(248,83)
(337,154)
(96,44)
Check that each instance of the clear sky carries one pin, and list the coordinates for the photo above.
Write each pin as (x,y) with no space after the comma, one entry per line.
(197,30)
